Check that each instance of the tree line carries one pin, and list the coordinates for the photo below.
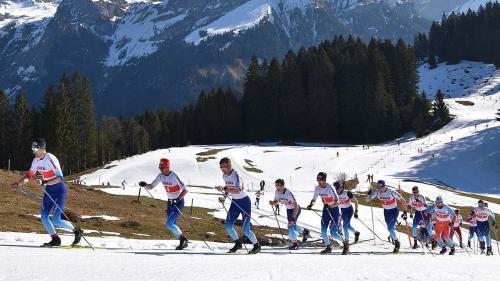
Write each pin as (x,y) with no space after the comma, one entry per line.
(474,35)
(339,91)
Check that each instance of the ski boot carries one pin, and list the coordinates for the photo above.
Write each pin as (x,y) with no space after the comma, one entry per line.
(443,251)
(78,232)
(415,244)
(481,246)
(396,246)
(434,244)
(294,246)
(327,250)
(55,242)
(305,235)
(237,246)
(256,249)
(468,244)
(345,250)
(183,242)
(489,251)
(356,236)
(452,251)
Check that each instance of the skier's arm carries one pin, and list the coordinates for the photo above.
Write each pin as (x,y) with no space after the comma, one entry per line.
(275,201)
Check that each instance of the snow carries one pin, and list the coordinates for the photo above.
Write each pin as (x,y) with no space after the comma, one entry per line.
(26,11)
(131,259)
(135,33)
(104,217)
(473,5)
(243,17)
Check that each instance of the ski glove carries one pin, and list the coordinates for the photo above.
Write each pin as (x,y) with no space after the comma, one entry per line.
(356,214)
(404,216)
(309,207)
(370,192)
(173,201)
(142,183)
(411,215)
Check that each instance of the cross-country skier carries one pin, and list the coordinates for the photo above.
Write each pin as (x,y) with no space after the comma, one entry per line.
(389,199)
(258,194)
(176,190)
(284,196)
(457,224)
(417,202)
(45,170)
(347,211)
(331,210)
(482,215)
(471,220)
(240,204)
(444,217)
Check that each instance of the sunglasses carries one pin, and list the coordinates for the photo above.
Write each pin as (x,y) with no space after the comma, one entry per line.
(320,179)
(415,191)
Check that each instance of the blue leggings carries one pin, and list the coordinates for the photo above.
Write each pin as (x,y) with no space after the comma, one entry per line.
(483,231)
(240,206)
(346,218)
(173,215)
(58,192)
(472,230)
(419,216)
(326,218)
(391,217)
(293,230)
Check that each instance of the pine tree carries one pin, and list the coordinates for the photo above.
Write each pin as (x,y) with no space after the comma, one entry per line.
(441,114)
(6,133)
(22,132)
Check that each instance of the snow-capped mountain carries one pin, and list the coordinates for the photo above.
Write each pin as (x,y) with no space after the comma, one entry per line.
(172,49)
(472,5)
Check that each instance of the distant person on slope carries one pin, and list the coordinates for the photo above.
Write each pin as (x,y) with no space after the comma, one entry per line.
(240,204)
(444,217)
(417,202)
(284,196)
(176,190)
(482,215)
(258,194)
(331,212)
(345,204)
(45,170)
(389,199)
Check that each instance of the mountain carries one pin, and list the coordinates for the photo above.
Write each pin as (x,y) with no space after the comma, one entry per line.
(148,54)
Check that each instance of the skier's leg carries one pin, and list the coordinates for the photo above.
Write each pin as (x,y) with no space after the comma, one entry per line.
(231,217)
(45,209)
(246,206)
(173,214)
(346,217)
(60,197)
(325,221)
(391,216)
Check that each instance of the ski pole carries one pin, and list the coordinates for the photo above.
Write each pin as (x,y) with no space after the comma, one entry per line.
(25,192)
(374,234)
(64,214)
(373,223)
(279,227)
(190,226)
(227,213)
(496,234)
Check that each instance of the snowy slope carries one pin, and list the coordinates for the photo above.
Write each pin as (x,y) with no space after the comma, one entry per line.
(26,11)
(473,5)
(134,35)
(244,17)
